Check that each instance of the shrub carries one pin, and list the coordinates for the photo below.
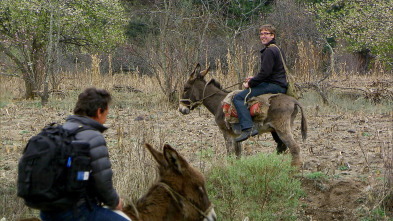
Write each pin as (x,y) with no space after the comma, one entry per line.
(260,187)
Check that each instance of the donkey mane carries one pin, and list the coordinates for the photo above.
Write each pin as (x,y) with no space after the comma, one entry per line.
(217,84)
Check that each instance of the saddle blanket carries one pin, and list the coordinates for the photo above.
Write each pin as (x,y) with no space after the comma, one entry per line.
(258,107)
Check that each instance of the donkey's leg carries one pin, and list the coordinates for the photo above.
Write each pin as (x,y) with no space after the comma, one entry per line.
(281,147)
(238,148)
(228,142)
(287,138)
(231,145)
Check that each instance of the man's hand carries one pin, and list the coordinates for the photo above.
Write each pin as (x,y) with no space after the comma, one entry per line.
(245,84)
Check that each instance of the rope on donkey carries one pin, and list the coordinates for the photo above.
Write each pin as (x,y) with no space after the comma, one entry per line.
(199,102)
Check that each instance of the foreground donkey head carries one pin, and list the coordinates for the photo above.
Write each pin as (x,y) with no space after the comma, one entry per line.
(179,193)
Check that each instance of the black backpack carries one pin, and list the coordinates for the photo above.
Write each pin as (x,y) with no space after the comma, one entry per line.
(54,169)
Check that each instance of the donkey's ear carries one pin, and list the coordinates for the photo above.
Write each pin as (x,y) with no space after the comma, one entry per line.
(174,159)
(195,72)
(203,73)
(158,156)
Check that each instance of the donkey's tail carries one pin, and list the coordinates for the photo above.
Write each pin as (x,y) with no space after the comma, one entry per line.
(303,122)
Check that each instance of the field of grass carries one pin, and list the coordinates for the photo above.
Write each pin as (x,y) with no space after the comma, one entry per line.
(260,186)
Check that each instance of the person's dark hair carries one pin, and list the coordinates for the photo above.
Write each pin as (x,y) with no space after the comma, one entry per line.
(90,100)
(268,27)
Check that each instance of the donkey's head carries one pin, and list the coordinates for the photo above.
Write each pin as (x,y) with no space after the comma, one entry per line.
(193,90)
(185,184)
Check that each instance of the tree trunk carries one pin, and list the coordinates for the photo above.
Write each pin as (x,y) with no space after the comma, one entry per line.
(49,62)
(29,93)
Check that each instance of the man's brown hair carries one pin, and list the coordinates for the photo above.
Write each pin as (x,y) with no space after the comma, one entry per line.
(90,100)
(268,27)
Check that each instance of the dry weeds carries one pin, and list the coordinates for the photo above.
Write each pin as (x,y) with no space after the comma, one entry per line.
(348,144)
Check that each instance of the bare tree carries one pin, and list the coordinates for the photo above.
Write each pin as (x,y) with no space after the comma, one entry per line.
(238,24)
(178,45)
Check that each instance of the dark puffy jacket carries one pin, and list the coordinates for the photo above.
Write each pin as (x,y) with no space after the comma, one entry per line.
(100,183)
(272,69)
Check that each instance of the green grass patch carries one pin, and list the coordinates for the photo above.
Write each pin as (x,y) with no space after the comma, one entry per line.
(3,103)
(206,153)
(260,187)
(341,102)
(316,176)
(66,104)
(141,101)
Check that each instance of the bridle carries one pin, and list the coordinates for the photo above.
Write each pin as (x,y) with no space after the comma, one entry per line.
(175,195)
(194,104)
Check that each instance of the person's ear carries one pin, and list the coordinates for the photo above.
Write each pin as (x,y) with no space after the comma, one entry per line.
(99,112)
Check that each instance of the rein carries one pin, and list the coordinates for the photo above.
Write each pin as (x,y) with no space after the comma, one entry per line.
(200,101)
(173,193)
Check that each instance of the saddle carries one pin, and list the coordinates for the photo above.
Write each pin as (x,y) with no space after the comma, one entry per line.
(258,107)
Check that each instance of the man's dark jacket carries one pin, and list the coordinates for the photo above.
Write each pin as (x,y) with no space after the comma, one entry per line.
(272,69)
(100,182)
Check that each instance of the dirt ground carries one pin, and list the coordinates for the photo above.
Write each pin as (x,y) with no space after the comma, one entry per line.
(349,149)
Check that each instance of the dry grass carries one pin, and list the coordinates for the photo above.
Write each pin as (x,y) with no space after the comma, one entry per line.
(140,113)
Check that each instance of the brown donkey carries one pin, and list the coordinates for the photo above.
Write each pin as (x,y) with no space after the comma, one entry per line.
(279,121)
(179,193)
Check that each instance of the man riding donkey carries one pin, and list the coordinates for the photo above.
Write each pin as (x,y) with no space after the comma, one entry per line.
(270,79)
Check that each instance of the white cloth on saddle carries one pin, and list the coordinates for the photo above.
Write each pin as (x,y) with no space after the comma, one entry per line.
(229,98)
(121,213)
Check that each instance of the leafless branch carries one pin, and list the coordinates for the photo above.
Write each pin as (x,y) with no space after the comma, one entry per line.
(10,75)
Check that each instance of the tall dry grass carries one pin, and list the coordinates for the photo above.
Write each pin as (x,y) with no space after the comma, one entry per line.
(140,113)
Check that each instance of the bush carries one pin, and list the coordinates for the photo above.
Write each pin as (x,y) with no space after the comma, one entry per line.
(260,187)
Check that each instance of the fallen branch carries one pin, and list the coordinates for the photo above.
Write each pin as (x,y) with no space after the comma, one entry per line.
(10,75)
(350,88)
(127,88)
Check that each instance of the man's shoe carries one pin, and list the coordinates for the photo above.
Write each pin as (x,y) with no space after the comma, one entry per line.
(246,134)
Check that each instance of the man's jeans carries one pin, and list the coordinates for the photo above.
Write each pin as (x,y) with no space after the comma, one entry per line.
(83,213)
(243,113)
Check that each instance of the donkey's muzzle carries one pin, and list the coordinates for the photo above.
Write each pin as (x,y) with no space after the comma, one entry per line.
(211,216)
(184,109)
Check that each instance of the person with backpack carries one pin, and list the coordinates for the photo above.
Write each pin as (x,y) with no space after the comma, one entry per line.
(91,111)
(270,79)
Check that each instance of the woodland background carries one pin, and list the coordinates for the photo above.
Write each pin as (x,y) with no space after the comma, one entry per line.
(340,52)
(43,39)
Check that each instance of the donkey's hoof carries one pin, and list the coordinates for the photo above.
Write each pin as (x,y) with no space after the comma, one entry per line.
(296,163)
(281,148)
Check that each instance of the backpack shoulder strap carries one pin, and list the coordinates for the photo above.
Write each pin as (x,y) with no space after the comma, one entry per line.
(80,128)
(287,73)
(282,58)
